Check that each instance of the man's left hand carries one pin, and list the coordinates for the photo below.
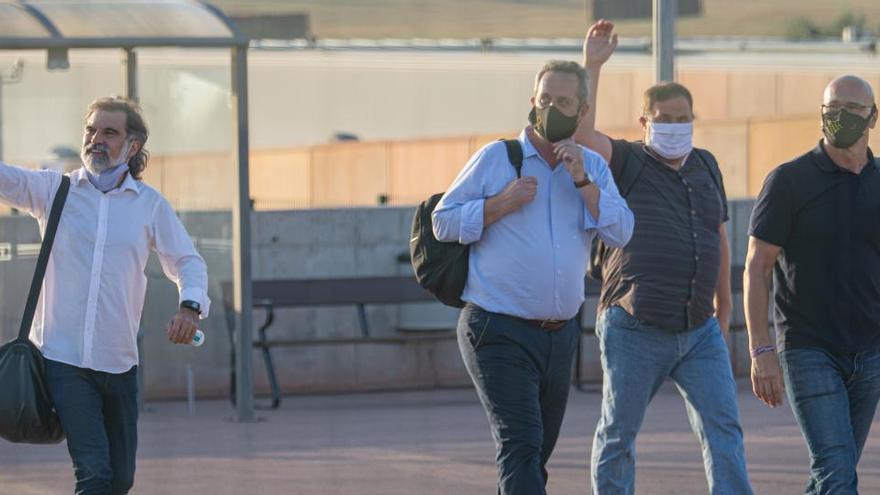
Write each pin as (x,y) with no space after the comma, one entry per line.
(183,326)
(572,156)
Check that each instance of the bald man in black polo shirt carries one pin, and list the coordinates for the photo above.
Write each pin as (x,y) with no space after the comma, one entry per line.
(815,229)
(665,301)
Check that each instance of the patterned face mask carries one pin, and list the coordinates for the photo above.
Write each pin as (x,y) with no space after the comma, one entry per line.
(552,124)
(843,128)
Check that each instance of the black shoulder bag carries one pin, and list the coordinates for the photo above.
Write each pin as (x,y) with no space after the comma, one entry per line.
(442,267)
(26,411)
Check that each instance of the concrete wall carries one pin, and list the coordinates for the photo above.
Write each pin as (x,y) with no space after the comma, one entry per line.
(299,244)
(359,173)
(300,98)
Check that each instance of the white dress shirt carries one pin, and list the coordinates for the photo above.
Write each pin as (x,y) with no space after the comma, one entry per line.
(530,263)
(93,293)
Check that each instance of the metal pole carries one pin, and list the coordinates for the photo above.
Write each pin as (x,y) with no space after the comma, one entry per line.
(241,243)
(1,119)
(129,75)
(664,40)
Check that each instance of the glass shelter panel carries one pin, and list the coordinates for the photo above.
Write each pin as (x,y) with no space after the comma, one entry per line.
(185,96)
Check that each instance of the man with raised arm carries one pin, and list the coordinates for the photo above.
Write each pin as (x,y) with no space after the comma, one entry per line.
(665,303)
(87,322)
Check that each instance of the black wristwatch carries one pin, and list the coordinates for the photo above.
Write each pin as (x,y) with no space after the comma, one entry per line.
(192,306)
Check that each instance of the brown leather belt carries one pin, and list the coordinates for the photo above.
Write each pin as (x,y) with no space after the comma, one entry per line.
(548,325)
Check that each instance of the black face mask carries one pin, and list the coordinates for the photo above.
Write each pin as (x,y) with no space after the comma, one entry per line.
(842,128)
(552,124)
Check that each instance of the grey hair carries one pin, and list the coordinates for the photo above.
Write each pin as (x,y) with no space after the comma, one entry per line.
(566,67)
(135,128)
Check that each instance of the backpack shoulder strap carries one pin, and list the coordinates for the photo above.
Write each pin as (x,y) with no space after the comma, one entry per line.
(631,165)
(514,154)
(710,163)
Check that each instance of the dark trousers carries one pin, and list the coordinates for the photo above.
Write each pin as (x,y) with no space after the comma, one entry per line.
(522,375)
(98,412)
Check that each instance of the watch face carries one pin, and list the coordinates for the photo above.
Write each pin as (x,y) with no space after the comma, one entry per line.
(191,305)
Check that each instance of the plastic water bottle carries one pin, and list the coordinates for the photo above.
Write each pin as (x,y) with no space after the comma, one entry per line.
(198,339)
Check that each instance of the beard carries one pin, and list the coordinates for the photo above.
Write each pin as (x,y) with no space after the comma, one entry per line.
(97,159)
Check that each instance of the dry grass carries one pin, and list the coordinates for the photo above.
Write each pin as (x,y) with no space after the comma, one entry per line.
(539,18)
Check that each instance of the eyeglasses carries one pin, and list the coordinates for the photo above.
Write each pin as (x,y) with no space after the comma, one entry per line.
(561,102)
(848,106)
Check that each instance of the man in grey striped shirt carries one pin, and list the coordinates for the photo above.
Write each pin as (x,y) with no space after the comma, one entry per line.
(665,301)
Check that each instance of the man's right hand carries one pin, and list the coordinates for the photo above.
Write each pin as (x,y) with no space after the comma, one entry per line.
(767,382)
(599,43)
(513,197)
(520,191)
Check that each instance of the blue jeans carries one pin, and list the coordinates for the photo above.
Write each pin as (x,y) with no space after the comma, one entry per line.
(522,375)
(833,398)
(636,359)
(98,413)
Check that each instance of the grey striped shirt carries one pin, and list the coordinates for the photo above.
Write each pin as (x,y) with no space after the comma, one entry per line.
(666,275)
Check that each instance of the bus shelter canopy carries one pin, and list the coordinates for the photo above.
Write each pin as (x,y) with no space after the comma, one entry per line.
(69,24)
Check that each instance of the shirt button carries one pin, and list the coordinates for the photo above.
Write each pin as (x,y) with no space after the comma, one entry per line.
(695,235)
(690,189)
(693,212)
(697,257)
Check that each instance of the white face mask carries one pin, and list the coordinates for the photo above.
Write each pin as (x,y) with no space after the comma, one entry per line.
(670,141)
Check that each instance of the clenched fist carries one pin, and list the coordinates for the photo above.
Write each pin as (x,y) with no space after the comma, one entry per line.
(520,191)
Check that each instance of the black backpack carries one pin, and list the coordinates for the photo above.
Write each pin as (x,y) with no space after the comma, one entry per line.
(442,267)
(625,178)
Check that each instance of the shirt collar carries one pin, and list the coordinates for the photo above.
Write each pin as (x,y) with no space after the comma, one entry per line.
(531,143)
(826,164)
(79,176)
(527,146)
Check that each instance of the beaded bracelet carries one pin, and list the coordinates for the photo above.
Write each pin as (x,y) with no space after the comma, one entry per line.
(761,350)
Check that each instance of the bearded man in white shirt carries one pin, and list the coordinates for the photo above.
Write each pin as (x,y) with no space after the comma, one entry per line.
(87,321)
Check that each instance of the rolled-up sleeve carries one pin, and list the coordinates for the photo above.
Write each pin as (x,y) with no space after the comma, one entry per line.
(180,261)
(615,223)
(458,216)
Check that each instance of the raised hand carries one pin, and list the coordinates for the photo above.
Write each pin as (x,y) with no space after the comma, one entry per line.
(600,43)
(572,156)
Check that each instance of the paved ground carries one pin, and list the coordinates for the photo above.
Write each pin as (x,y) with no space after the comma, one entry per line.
(426,443)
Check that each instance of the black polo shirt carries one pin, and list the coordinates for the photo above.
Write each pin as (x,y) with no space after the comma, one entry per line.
(826,219)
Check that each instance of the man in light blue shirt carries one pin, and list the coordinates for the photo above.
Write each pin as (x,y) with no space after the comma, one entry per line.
(530,241)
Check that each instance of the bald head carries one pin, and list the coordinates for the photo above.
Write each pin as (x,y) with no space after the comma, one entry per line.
(849,89)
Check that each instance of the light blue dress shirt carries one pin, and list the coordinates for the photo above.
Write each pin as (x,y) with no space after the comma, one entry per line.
(531,263)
